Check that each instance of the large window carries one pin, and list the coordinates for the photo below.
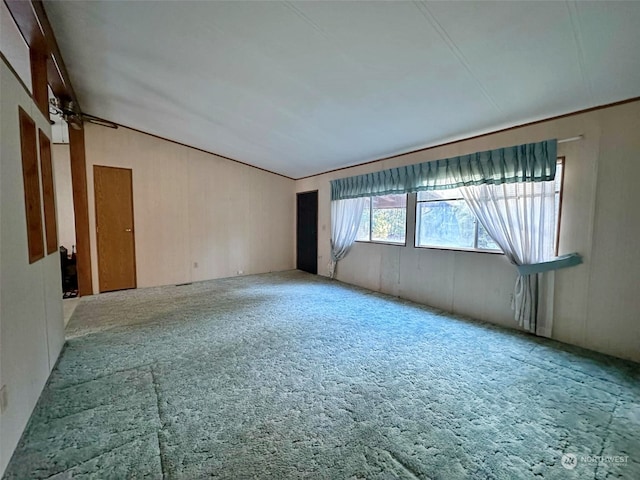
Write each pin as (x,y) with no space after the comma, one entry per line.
(384,219)
(444,220)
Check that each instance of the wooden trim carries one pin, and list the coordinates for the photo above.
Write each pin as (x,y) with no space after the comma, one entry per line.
(474,137)
(198,149)
(32,22)
(38,62)
(31,179)
(81,210)
(133,229)
(21,82)
(25,19)
(59,78)
(48,194)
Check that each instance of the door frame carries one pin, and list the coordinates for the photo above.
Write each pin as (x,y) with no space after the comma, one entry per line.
(133,228)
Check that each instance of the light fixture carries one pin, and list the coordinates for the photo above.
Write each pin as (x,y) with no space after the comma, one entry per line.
(70,113)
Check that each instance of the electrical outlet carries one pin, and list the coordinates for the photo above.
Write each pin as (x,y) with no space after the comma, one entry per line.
(4,399)
(240,272)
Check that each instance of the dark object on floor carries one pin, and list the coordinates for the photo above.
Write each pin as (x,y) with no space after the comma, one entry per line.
(69,273)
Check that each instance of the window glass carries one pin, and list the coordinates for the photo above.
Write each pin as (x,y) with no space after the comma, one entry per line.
(485,242)
(384,219)
(364,230)
(445,223)
(389,218)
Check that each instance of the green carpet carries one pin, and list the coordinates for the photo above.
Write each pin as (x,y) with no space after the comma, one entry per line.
(289,375)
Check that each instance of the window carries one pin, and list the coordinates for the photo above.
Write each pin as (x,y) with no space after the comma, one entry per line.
(444,220)
(384,219)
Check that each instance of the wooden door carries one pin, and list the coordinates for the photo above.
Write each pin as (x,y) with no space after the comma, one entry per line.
(307,232)
(114,228)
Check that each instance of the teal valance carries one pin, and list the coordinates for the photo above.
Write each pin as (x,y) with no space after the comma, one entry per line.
(532,162)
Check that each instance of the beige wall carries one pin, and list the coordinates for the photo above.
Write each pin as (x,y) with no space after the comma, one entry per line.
(614,289)
(64,195)
(596,304)
(193,208)
(31,325)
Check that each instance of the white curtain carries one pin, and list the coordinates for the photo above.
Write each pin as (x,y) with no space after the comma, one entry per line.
(345,220)
(521,219)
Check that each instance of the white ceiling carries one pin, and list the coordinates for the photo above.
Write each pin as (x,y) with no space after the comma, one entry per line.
(303,87)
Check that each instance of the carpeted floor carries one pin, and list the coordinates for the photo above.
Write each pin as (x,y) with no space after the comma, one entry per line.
(289,375)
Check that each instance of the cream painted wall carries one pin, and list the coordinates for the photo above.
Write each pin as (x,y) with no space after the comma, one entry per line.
(31,325)
(614,288)
(194,208)
(64,195)
(596,304)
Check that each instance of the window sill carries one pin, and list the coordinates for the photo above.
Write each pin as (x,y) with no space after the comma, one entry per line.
(461,249)
(393,244)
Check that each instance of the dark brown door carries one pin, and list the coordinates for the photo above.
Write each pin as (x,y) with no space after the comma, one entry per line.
(114,228)
(307,232)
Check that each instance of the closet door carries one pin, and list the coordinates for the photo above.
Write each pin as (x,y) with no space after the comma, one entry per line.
(114,228)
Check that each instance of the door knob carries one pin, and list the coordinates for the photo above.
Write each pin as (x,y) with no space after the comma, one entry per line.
(127,229)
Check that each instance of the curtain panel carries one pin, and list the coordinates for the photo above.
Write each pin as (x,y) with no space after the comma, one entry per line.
(521,219)
(345,220)
(532,162)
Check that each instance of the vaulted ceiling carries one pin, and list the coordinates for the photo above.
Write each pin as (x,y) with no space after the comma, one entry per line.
(302,87)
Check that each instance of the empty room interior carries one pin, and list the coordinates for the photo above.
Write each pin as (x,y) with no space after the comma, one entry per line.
(319,239)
